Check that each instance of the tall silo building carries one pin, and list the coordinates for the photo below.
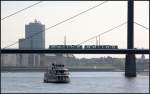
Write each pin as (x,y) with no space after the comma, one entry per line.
(34,36)
(34,39)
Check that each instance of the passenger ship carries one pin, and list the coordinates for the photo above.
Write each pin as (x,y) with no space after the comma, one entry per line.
(57,73)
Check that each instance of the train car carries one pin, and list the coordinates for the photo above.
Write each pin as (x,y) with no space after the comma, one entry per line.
(73,47)
(100,47)
(90,47)
(65,46)
(56,46)
(85,47)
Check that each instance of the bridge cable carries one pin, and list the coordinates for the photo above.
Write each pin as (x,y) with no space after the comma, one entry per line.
(103,33)
(111,30)
(21,10)
(58,23)
(141,25)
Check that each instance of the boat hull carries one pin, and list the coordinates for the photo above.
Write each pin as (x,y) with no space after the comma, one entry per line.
(56,81)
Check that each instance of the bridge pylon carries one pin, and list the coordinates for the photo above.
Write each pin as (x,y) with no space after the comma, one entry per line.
(130,65)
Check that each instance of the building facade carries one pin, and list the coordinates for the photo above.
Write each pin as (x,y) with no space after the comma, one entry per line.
(34,36)
(34,39)
(8,59)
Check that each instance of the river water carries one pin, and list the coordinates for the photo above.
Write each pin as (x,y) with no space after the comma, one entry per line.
(81,82)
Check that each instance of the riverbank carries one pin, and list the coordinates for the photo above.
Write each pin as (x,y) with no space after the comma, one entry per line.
(44,69)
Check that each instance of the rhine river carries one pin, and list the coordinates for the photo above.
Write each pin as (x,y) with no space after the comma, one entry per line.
(81,82)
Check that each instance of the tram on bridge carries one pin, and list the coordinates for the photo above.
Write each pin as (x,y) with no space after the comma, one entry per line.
(83,47)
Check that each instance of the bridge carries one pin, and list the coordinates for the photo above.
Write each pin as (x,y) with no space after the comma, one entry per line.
(130,65)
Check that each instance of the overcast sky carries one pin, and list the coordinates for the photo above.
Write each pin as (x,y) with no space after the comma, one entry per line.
(80,28)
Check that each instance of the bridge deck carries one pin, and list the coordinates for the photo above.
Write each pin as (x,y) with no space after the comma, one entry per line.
(79,51)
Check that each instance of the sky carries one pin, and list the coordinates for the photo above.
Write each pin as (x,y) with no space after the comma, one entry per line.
(79,29)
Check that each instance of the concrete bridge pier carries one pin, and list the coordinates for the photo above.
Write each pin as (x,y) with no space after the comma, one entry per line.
(130,65)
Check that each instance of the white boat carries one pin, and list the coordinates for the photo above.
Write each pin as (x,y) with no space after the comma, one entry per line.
(57,73)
